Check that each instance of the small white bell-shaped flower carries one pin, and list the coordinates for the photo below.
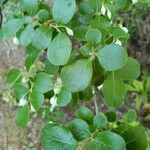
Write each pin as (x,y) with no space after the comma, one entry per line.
(57,86)
(53,102)
(22,102)
(134,1)
(118,42)
(100,87)
(124,28)
(108,13)
(69,31)
(103,9)
(15,40)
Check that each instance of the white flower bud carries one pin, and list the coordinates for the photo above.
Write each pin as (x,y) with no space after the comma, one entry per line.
(103,9)
(69,31)
(118,42)
(108,13)
(57,86)
(134,1)
(53,102)
(22,102)
(32,109)
(124,28)
(24,80)
(15,40)
(100,87)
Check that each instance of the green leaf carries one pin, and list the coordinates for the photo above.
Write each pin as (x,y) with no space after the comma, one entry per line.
(98,73)
(11,28)
(112,57)
(107,141)
(64,97)
(85,8)
(22,116)
(36,99)
(13,75)
(59,50)
(86,114)
(119,33)
(100,121)
(50,68)
(134,136)
(87,94)
(93,36)
(43,83)
(130,116)
(66,12)
(111,116)
(95,4)
(25,39)
(43,15)
(114,91)
(79,129)
(85,50)
(57,138)
(41,37)
(101,23)
(30,6)
(80,32)
(77,76)
(30,59)
(130,71)
(20,90)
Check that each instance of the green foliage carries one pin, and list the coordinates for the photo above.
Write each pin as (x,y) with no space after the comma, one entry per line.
(77,76)
(59,50)
(86,114)
(112,57)
(75,52)
(22,116)
(100,121)
(56,137)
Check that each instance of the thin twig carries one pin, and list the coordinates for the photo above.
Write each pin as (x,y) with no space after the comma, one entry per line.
(95,101)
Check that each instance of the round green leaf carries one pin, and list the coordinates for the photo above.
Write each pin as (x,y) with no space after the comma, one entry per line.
(79,129)
(41,37)
(50,68)
(63,10)
(30,6)
(130,116)
(22,116)
(30,59)
(100,120)
(36,99)
(111,116)
(114,91)
(64,97)
(134,136)
(109,141)
(119,33)
(130,71)
(20,90)
(112,57)
(77,76)
(57,138)
(13,75)
(59,50)
(43,15)
(25,39)
(11,28)
(86,114)
(93,36)
(80,32)
(43,83)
